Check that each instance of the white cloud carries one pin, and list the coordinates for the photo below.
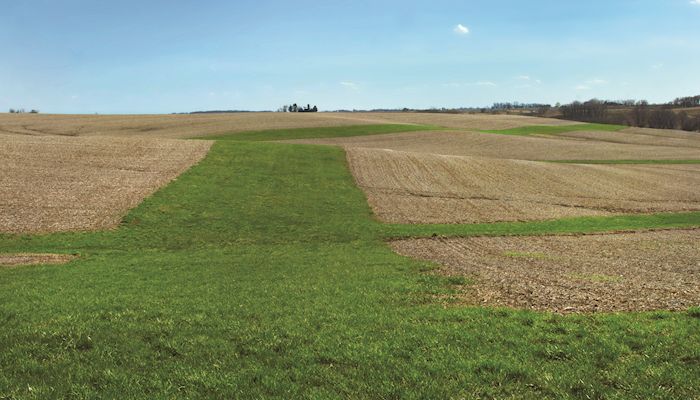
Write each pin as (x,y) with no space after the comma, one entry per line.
(659,65)
(349,85)
(695,2)
(485,83)
(527,78)
(582,87)
(596,81)
(463,30)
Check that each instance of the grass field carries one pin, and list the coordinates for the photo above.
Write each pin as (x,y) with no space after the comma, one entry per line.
(261,273)
(553,130)
(323,132)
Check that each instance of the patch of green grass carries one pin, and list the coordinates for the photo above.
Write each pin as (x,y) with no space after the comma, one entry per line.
(554,130)
(323,132)
(458,280)
(626,161)
(260,273)
(559,226)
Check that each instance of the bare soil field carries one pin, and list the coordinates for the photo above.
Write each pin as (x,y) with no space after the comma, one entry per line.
(458,121)
(643,136)
(624,145)
(404,187)
(185,126)
(53,183)
(164,126)
(611,272)
(12,260)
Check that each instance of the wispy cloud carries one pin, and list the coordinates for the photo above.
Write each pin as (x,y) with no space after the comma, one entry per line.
(596,81)
(582,87)
(485,83)
(350,85)
(659,65)
(527,82)
(695,2)
(461,29)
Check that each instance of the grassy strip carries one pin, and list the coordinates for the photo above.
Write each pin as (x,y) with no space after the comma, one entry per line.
(323,132)
(554,130)
(260,273)
(626,161)
(565,225)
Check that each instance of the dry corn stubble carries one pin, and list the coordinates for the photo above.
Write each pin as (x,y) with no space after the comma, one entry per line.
(18,259)
(52,183)
(569,146)
(589,273)
(191,125)
(405,187)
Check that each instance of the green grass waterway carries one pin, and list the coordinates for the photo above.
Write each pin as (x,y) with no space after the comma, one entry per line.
(554,129)
(261,273)
(323,132)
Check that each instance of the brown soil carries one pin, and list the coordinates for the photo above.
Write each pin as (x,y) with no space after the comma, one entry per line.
(570,146)
(589,273)
(640,136)
(11,260)
(53,183)
(459,121)
(185,126)
(407,187)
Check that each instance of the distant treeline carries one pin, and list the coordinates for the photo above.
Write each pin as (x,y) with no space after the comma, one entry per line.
(636,113)
(515,106)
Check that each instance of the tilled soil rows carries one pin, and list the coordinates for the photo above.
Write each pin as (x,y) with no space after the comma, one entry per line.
(589,273)
(405,187)
(52,183)
(190,125)
(624,145)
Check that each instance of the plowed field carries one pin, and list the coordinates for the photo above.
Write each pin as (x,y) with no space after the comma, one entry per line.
(52,183)
(184,126)
(623,145)
(407,187)
(612,272)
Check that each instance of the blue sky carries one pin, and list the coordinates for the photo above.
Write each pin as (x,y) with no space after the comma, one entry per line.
(175,56)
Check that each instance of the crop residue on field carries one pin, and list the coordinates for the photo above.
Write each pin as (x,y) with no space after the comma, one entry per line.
(589,273)
(405,187)
(16,259)
(582,145)
(52,184)
(190,125)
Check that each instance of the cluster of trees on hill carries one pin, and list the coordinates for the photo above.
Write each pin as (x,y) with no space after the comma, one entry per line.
(635,113)
(690,101)
(22,111)
(295,108)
